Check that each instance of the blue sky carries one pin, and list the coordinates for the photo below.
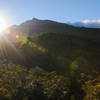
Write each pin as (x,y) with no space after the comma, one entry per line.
(59,10)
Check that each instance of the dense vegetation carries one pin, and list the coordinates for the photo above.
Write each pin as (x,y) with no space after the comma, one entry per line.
(20,83)
(56,69)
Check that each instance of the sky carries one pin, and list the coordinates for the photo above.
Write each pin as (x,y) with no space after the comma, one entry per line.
(18,11)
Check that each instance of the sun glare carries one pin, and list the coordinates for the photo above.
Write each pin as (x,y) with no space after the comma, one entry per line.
(3,24)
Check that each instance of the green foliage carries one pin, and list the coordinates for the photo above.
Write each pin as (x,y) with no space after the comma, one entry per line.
(19,83)
(66,70)
(92,89)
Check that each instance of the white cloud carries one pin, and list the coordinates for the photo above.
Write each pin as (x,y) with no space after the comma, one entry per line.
(87,23)
(91,21)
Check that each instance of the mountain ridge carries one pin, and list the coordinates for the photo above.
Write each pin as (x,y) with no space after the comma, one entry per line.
(37,26)
(60,48)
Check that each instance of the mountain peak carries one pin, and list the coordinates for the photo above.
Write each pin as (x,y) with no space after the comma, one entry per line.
(35,19)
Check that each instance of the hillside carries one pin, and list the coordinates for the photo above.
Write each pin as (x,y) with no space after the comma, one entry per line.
(62,45)
(34,26)
(43,59)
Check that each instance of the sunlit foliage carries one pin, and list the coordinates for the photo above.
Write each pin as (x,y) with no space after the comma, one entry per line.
(19,83)
(92,89)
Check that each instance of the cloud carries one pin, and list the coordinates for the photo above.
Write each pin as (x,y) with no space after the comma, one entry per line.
(87,23)
(91,21)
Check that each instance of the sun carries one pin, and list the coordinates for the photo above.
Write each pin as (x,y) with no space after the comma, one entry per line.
(3,23)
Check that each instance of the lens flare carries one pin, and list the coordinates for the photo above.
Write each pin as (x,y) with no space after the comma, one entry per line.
(7,31)
(16,37)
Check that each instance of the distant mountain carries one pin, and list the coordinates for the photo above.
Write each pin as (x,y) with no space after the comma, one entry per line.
(36,26)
